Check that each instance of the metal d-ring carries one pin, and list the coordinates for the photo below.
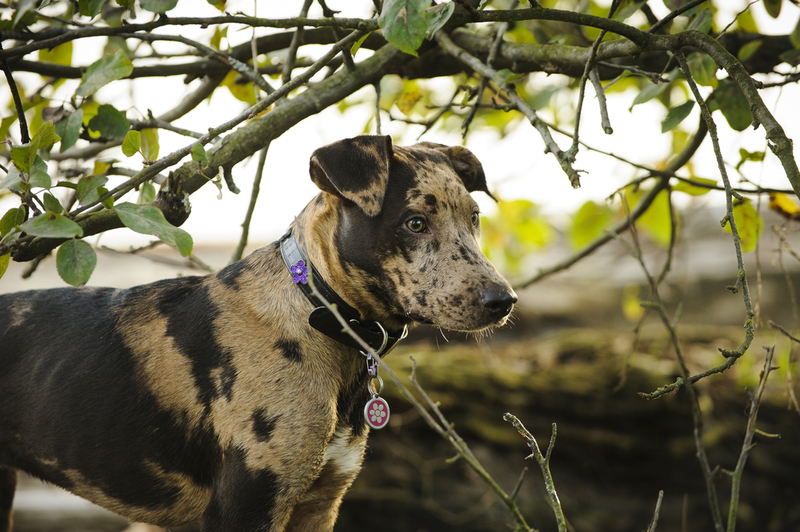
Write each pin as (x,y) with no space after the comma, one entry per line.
(379,388)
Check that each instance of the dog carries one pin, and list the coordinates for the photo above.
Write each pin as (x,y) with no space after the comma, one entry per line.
(235,400)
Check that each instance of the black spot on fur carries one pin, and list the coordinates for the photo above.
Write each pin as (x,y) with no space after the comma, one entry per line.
(421,297)
(351,401)
(191,315)
(466,254)
(290,349)
(230,274)
(430,201)
(263,425)
(242,499)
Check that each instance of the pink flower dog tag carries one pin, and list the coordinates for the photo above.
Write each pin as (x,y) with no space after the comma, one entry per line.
(377,412)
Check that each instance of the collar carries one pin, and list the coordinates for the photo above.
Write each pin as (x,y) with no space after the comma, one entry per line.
(378,337)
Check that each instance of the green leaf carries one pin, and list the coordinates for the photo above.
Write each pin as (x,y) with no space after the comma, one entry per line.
(4,263)
(108,203)
(23,157)
(199,154)
(501,77)
(132,143)
(90,8)
(656,221)
(791,57)
(149,220)
(88,188)
(588,223)
(404,23)
(149,140)
(437,17)
(52,225)
(794,37)
(702,20)
(51,204)
(45,136)
(109,122)
(75,262)
(693,190)
(703,70)
(676,115)
(11,219)
(147,193)
(23,7)
(39,176)
(104,71)
(773,7)
(12,180)
(744,156)
(733,104)
(60,55)
(746,51)
(158,6)
(357,45)
(650,91)
(748,224)
(69,129)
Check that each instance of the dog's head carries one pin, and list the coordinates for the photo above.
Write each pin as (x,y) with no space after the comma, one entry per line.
(407,232)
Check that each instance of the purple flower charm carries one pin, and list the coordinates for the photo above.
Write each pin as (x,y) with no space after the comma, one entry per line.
(299,272)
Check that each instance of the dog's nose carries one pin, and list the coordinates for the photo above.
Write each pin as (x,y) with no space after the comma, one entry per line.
(498,301)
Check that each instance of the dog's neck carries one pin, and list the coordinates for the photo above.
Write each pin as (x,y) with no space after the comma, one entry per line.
(378,339)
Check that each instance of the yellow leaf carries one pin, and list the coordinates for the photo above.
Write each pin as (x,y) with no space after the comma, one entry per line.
(748,223)
(407,101)
(784,206)
(631,303)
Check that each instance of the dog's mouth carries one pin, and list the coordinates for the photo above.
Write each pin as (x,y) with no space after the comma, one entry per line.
(416,317)
(419,318)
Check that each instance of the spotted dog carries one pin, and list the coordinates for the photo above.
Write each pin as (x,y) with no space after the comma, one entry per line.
(233,400)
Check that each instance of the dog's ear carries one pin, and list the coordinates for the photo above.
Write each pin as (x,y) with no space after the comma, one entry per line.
(356,169)
(466,165)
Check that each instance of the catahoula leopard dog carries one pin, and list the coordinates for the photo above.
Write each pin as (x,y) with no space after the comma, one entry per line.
(233,400)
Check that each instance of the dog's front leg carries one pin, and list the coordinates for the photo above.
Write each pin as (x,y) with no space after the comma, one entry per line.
(248,499)
(320,506)
(8,484)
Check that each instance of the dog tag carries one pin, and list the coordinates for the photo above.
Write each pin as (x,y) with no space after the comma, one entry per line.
(377,412)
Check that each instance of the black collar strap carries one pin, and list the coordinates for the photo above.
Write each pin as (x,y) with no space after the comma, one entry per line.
(379,338)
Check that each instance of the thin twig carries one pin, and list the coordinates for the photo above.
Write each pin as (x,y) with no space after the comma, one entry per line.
(494,50)
(789,380)
(544,465)
(297,38)
(24,135)
(242,69)
(213,133)
(747,444)
(654,522)
(477,65)
(572,152)
(657,304)
(605,122)
(262,157)
(729,193)
(666,20)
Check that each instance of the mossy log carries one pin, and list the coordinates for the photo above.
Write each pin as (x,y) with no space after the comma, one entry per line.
(614,452)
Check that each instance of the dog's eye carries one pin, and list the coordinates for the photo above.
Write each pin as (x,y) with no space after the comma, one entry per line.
(476,219)
(416,225)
